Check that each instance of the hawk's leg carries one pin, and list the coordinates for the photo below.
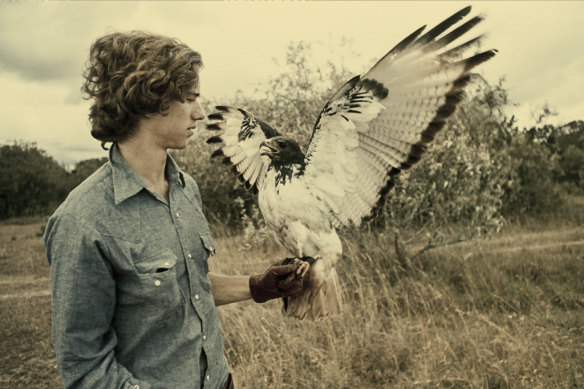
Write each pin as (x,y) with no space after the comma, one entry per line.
(303,264)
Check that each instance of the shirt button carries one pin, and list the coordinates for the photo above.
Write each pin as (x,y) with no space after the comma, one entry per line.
(178,214)
(189,255)
(204,337)
(157,282)
(208,377)
(197,297)
(136,387)
(166,264)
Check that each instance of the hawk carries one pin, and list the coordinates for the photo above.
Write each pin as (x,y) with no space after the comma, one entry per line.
(374,126)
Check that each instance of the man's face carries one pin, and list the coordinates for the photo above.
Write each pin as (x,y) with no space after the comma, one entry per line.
(172,131)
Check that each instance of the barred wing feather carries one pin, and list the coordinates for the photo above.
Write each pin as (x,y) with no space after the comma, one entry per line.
(240,135)
(379,123)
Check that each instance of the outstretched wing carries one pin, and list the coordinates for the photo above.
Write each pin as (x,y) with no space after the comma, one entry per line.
(240,135)
(379,123)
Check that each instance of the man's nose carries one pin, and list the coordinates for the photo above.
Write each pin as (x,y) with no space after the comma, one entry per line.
(198,112)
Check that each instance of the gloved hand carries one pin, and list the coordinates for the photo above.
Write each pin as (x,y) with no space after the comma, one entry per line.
(278,281)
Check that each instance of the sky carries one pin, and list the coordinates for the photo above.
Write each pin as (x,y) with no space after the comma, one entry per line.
(44,46)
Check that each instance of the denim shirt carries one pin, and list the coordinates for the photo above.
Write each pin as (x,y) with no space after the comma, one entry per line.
(131,300)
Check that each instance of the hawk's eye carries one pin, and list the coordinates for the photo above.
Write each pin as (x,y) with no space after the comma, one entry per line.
(282,144)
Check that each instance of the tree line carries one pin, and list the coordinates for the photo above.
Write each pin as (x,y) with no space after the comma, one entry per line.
(33,183)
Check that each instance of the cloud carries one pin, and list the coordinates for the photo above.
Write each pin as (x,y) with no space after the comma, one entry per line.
(44,46)
(540,56)
(50,41)
(36,114)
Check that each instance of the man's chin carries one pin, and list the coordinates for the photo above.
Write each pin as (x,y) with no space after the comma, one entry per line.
(178,146)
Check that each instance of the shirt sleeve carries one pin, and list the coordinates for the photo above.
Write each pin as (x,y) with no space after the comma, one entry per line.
(83,304)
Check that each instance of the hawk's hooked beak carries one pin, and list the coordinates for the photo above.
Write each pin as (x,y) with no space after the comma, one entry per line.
(267,149)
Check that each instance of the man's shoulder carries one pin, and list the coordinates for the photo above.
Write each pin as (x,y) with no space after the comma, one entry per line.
(96,191)
(84,203)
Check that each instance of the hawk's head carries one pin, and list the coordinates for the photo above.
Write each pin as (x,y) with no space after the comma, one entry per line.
(282,150)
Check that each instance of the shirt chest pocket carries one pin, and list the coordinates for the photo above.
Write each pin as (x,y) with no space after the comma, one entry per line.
(208,249)
(159,262)
(152,290)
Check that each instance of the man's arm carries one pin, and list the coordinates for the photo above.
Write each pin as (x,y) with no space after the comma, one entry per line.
(229,289)
(83,301)
(277,281)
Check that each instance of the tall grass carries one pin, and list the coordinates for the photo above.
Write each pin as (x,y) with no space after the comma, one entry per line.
(502,312)
(494,313)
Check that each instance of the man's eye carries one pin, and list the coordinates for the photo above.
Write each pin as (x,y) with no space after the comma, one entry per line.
(192,98)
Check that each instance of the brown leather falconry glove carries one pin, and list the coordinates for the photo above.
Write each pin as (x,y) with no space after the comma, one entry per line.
(278,281)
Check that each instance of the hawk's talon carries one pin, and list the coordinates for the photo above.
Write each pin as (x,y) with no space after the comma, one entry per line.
(302,267)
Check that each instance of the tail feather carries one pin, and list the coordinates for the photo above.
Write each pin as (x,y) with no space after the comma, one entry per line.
(316,303)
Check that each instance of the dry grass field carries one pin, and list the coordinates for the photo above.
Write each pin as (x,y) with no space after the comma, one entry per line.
(503,312)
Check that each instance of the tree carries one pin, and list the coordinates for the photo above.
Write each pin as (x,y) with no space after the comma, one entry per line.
(462,178)
(566,148)
(84,169)
(572,165)
(31,182)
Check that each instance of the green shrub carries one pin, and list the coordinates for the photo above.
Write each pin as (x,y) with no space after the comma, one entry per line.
(31,182)
(532,190)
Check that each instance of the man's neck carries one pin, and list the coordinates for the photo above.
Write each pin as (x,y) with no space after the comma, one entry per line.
(148,161)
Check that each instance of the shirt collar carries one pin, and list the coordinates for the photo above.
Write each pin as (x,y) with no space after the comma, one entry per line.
(173,173)
(127,182)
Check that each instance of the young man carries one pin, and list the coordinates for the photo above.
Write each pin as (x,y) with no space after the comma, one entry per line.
(132,297)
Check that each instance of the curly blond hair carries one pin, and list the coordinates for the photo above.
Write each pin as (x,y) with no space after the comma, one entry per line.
(132,74)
